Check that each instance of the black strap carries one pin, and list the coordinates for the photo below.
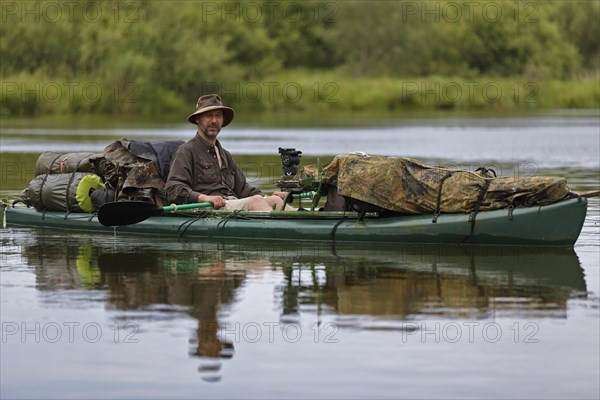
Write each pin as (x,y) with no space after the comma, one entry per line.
(438,204)
(574,195)
(68,198)
(45,178)
(334,229)
(185,225)
(473,214)
(485,170)
(17,201)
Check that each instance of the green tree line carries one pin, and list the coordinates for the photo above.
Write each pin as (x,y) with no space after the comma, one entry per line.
(145,57)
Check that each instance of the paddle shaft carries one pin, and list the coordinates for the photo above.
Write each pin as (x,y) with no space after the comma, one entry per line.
(175,207)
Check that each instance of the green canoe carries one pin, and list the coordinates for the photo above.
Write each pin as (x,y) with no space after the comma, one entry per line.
(557,224)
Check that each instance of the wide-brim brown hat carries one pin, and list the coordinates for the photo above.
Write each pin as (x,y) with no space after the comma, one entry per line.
(211,102)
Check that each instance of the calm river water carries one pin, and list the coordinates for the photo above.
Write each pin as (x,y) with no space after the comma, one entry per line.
(103,316)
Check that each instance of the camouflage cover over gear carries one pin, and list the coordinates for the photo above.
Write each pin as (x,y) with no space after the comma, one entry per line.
(408,186)
(137,178)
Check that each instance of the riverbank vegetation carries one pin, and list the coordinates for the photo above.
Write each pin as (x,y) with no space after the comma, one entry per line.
(149,57)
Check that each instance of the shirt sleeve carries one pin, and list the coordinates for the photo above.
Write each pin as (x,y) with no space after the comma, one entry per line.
(179,183)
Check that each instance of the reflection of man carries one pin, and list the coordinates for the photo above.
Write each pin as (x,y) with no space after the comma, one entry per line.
(202,171)
(209,343)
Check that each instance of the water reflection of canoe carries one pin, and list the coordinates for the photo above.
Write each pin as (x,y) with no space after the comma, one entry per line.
(402,280)
(363,286)
(348,279)
(451,281)
(558,224)
(469,281)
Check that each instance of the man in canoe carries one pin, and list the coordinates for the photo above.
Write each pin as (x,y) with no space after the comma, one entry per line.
(202,171)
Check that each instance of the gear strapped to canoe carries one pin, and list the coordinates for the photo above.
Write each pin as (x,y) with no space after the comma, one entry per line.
(136,170)
(408,186)
(62,192)
(129,170)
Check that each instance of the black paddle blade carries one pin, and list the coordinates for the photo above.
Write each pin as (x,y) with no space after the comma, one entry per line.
(118,213)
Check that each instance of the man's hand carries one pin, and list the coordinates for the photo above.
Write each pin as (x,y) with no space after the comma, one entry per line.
(217,201)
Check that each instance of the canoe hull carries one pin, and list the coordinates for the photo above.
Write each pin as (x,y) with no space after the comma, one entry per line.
(557,224)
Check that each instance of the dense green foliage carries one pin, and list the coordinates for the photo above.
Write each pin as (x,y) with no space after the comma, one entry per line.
(157,56)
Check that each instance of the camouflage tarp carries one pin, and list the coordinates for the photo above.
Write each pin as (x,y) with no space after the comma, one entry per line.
(138,178)
(409,186)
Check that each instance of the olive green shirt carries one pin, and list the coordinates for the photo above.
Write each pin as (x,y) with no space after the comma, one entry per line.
(195,170)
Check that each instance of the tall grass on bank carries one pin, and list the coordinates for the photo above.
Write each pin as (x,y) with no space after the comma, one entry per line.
(35,94)
(300,92)
(328,92)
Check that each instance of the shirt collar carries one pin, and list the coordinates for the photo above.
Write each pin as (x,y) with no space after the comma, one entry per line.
(207,146)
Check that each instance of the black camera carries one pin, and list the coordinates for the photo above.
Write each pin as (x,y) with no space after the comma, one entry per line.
(290,158)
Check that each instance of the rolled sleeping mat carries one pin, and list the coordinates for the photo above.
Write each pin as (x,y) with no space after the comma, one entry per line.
(64,163)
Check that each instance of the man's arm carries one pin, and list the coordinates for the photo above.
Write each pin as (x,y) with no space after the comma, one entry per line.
(179,182)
